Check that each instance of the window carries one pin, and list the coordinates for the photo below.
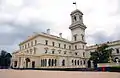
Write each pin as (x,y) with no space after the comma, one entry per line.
(69,47)
(35,42)
(117,50)
(15,63)
(34,50)
(75,18)
(59,51)
(75,62)
(78,62)
(75,37)
(46,42)
(53,43)
(84,62)
(32,43)
(64,46)
(75,47)
(82,36)
(76,53)
(28,45)
(46,51)
(59,45)
(83,54)
(83,46)
(30,51)
(63,62)
(53,51)
(65,52)
(72,61)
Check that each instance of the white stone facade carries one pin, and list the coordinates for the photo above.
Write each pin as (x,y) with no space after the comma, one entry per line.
(44,50)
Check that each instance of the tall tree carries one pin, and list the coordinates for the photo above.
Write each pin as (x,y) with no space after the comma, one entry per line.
(5,59)
(102,54)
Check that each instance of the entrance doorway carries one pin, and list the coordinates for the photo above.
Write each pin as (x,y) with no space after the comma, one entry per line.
(33,64)
(27,61)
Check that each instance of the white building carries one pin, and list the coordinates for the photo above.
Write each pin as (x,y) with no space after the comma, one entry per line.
(44,50)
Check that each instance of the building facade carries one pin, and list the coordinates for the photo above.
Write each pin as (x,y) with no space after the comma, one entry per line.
(43,50)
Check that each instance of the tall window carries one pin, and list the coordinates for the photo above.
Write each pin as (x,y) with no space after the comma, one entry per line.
(75,47)
(59,45)
(64,46)
(75,37)
(31,43)
(35,42)
(34,50)
(63,63)
(75,18)
(83,54)
(28,45)
(117,50)
(69,47)
(82,36)
(53,43)
(46,42)
(53,51)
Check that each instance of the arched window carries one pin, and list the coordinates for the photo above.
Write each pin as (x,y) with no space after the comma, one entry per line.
(45,62)
(49,62)
(78,62)
(63,63)
(55,62)
(75,62)
(75,19)
(52,62)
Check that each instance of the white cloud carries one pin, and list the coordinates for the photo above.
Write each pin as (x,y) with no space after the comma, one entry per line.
(100,17)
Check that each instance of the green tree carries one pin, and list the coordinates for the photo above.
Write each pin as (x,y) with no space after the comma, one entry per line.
(102,54)
(5,59)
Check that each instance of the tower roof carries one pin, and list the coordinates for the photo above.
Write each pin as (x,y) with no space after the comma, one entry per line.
(75,11)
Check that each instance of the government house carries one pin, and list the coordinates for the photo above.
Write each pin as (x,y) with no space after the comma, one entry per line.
(44,50)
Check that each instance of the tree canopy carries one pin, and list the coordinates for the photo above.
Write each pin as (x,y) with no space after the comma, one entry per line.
(5,59)
(102,54)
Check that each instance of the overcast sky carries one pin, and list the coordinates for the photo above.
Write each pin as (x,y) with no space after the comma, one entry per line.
(20,18)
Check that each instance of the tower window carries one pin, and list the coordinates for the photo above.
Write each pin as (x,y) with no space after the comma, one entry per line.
(82,36)
(75,18)
(75,37)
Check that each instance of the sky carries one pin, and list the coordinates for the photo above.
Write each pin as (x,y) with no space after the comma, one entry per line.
(22,18)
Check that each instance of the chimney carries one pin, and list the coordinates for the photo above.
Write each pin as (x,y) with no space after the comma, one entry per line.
(60,34)
(48,31)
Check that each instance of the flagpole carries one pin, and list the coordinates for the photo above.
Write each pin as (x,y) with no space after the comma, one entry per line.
(75,4)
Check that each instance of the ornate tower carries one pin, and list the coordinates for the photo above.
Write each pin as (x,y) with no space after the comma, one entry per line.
(77,26)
